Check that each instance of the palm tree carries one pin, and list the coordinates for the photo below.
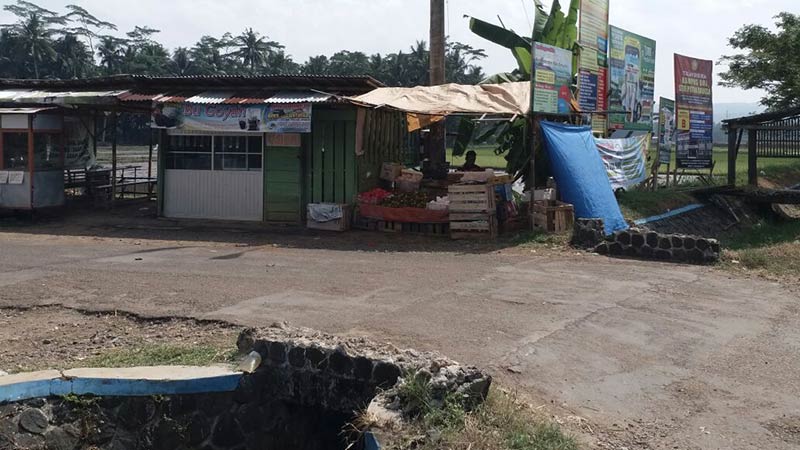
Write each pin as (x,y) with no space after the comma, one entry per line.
(181,62)
(33,31)
(74,60)
(253,50)
(111,53)
(316,65)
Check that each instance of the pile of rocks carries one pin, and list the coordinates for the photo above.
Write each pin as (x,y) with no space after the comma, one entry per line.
(643,243)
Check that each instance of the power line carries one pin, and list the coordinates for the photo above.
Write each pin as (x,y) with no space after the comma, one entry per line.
(527,17)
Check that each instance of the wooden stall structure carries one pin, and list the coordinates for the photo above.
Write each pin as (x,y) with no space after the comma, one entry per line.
(769,135)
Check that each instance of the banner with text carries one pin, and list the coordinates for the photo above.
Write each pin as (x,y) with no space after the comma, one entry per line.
(625,160)
(593,63)
(220,118)
(666,130)
(289,118)
(553,69)
(694,108)
(631,80)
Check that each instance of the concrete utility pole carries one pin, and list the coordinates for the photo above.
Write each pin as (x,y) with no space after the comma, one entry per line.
(436,140)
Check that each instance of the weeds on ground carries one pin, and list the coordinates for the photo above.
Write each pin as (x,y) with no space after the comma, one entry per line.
(771,248)
(162,354)
(501,422)
(534,238)
(638,204)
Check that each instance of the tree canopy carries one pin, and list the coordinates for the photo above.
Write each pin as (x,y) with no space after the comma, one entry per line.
(47,44)
(770,61)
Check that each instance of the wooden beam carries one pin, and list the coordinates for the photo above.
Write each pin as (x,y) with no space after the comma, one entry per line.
(732,154)
(752,157)
(114,157)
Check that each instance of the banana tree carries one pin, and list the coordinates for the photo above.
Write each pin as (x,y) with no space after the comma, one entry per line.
(557,29)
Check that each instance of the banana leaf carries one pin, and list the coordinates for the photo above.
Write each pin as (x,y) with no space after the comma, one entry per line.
(539,21)
(498,35)
(524,59)
(569,31)
(466,128)
(506,77)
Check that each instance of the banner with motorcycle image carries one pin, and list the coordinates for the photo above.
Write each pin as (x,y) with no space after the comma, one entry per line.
(625,160)
(631,80)
(274,118)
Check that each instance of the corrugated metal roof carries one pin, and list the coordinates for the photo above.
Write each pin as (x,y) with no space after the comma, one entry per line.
(25,96)
(24,110)
(210,98)
(299,97)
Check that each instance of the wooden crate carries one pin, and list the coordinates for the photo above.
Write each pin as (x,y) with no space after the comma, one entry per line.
(485,228)
(553,216)
(471,198)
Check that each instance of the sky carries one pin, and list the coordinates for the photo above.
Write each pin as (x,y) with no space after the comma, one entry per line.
(698,28)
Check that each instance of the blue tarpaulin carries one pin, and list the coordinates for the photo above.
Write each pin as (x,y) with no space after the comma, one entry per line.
(581,175)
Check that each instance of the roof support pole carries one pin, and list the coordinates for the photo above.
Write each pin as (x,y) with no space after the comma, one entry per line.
(732,132)
(437,141)
(31,156)
(752,157)
(114,115)
(150,161)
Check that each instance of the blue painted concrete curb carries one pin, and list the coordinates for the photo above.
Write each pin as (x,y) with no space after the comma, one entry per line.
(54,383)
(673,213)
(371,442)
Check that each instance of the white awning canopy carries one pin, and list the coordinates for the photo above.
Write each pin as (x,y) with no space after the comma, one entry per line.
(500,99)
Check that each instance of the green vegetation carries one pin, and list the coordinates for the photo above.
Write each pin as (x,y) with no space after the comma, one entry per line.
(770,248)
(486,157)
(154,355)
(501,422)
(638,204)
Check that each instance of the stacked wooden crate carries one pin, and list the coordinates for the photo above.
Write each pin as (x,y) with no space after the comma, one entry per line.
(553,216)
(472,211)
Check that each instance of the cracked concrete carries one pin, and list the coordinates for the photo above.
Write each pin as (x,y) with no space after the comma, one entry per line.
(649,355)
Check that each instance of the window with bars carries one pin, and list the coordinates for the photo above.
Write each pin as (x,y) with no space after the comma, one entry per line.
(214,152)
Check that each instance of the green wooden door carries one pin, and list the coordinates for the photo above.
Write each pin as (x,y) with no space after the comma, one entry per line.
(331,163)
(282,186)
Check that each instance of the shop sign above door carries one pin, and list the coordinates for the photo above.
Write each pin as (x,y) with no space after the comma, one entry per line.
(289,118)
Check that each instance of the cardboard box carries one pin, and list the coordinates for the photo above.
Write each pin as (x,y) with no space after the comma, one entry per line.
(391,171)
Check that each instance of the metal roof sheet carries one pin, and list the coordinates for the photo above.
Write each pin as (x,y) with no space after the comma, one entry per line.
(210,97)
(25,110)
(299,97)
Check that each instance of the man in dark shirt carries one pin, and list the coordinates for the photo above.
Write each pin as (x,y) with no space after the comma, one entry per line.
(469,164)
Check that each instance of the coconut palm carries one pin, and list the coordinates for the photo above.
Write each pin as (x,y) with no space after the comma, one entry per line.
(181,62)
(111,51)
(253,50)
(34,31)
(74,59)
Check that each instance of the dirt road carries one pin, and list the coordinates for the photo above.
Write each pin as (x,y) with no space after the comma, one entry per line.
(651,355)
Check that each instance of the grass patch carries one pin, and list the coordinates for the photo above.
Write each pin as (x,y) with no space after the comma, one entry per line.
(485,157)
(162,354)
(636,204)
(539,238)
(501,422)
(769,248)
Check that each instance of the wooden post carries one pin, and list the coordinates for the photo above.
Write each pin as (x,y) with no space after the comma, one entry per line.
(150,163)
(113,157)
(752,157)
(530,139)
(437,139)
(94,138)
(2,158)
(31,156)
(732,154)
(161,167)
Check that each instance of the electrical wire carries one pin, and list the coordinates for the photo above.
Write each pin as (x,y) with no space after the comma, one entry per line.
(527,17)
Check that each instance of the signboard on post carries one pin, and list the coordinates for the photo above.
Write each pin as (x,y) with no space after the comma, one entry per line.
(631,80)
(666,130)
(552,69)
(694,112)
(593,63)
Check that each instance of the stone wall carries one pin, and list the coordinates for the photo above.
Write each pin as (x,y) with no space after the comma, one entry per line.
(644,243)
(308,387)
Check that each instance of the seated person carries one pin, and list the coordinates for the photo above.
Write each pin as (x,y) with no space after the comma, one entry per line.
(469,164)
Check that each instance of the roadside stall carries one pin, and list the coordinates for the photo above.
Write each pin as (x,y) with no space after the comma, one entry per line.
(31,158)
(471,203)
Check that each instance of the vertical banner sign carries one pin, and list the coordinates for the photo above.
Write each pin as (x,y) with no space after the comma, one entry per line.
(632,67)
(695,112)
(552,68)
(666,130)
(593,63)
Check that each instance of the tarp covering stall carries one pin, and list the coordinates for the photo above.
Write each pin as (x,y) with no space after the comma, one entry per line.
(501,99)
(581,175)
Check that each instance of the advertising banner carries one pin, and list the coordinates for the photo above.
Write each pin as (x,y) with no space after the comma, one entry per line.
(220,118)
(694,112)
(553,69)
(666,130)
(631,80)
(625,160)
(593,63)
(78,145)
(289,118)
